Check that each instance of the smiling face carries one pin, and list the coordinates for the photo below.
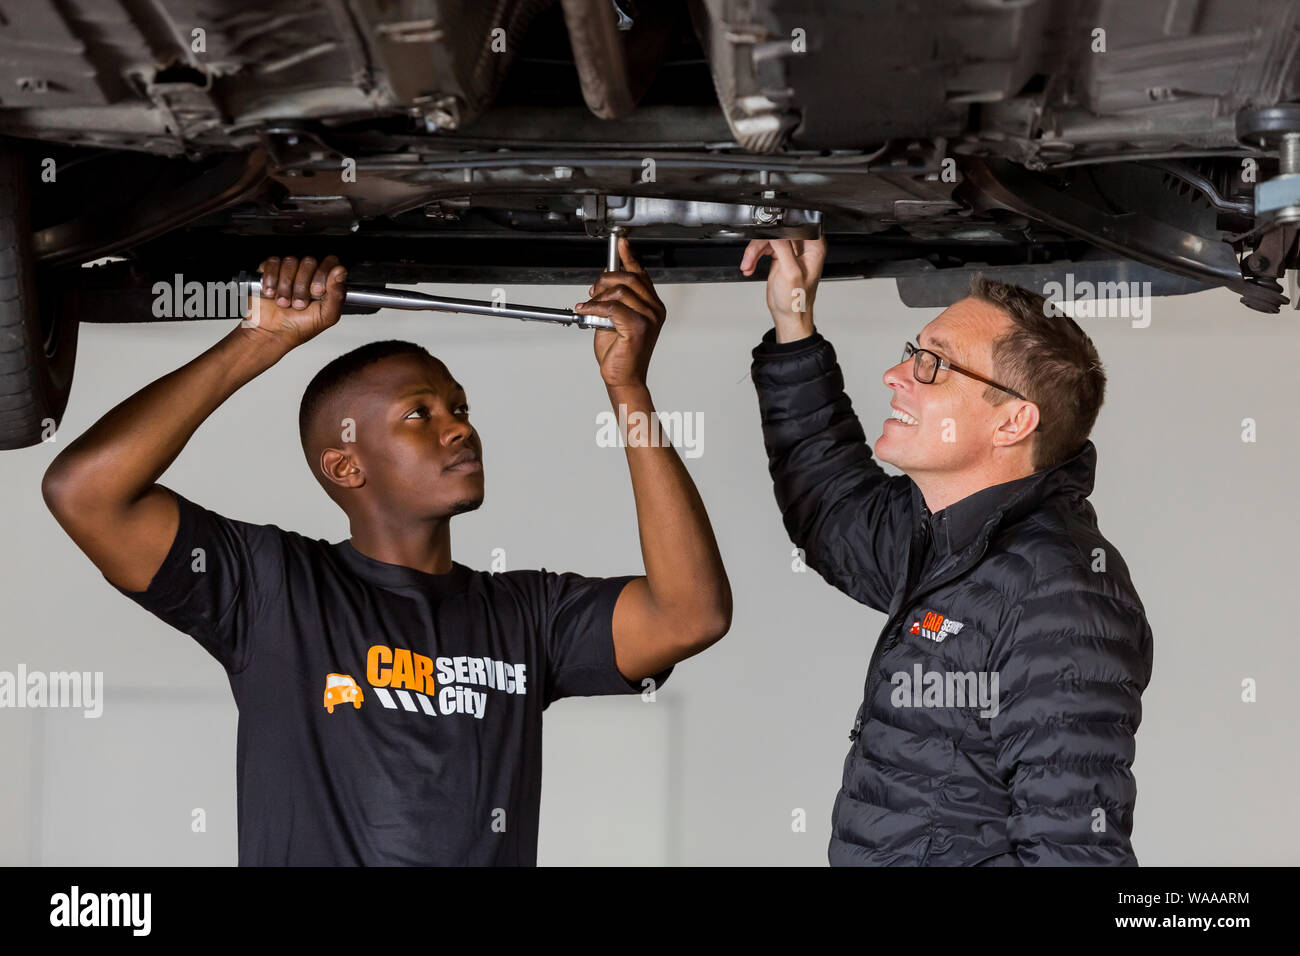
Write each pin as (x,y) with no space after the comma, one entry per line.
(414,447)
(949,428)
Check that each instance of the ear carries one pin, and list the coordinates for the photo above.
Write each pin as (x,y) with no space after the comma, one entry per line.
(1019,421)
(341,468)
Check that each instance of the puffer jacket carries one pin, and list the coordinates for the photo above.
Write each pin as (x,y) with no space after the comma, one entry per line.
(1001,702)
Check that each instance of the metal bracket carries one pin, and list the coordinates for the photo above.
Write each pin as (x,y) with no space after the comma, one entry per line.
(1153,243)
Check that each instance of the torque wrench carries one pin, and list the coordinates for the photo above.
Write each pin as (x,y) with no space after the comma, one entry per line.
(377,297)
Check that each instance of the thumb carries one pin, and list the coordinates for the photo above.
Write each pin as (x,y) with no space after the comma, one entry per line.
(335,290)
(754,251)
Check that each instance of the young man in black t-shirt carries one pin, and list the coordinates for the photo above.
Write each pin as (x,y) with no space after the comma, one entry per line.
(390,699)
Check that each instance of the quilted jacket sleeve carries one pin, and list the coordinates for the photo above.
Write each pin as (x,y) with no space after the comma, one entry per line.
(1071,663)
(838,505)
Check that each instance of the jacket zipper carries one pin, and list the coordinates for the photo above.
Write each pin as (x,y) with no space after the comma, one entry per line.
(883,643)
(887,643)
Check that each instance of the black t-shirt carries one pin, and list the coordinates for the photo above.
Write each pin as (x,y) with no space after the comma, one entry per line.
(387,716)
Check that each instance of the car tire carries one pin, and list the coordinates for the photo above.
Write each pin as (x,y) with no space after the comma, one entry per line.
(38,345)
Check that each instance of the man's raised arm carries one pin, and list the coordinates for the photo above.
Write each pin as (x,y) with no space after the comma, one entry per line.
(839,507)
(683,603)
(103,487)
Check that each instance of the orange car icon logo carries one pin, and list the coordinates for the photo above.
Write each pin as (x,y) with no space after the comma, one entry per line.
(341,689)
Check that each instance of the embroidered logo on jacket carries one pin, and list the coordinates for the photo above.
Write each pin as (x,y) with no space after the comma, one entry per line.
(936,627)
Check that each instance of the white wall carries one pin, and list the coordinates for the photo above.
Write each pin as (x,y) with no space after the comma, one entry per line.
(757,726)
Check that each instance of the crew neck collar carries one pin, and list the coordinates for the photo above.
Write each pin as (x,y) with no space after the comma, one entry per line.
(401,576)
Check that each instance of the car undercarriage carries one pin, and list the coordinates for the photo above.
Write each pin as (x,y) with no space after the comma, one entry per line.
(1155,141)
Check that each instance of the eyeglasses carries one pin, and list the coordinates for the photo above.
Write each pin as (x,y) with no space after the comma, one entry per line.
(926,366)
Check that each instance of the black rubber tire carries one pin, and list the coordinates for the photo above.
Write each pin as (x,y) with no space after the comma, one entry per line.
(38,344)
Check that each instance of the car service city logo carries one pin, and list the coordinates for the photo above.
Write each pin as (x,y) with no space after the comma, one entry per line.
(936,627)
(401,679)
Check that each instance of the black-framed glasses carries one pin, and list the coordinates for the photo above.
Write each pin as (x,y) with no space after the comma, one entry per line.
(926,365)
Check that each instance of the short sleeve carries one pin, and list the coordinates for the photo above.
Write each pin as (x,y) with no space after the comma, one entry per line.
(205,586)
(578,637)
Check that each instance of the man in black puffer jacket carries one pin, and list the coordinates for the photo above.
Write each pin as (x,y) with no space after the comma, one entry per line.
(1001,702)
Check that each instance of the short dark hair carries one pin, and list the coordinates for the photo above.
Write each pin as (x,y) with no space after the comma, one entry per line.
(334,378)
(1049,359)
